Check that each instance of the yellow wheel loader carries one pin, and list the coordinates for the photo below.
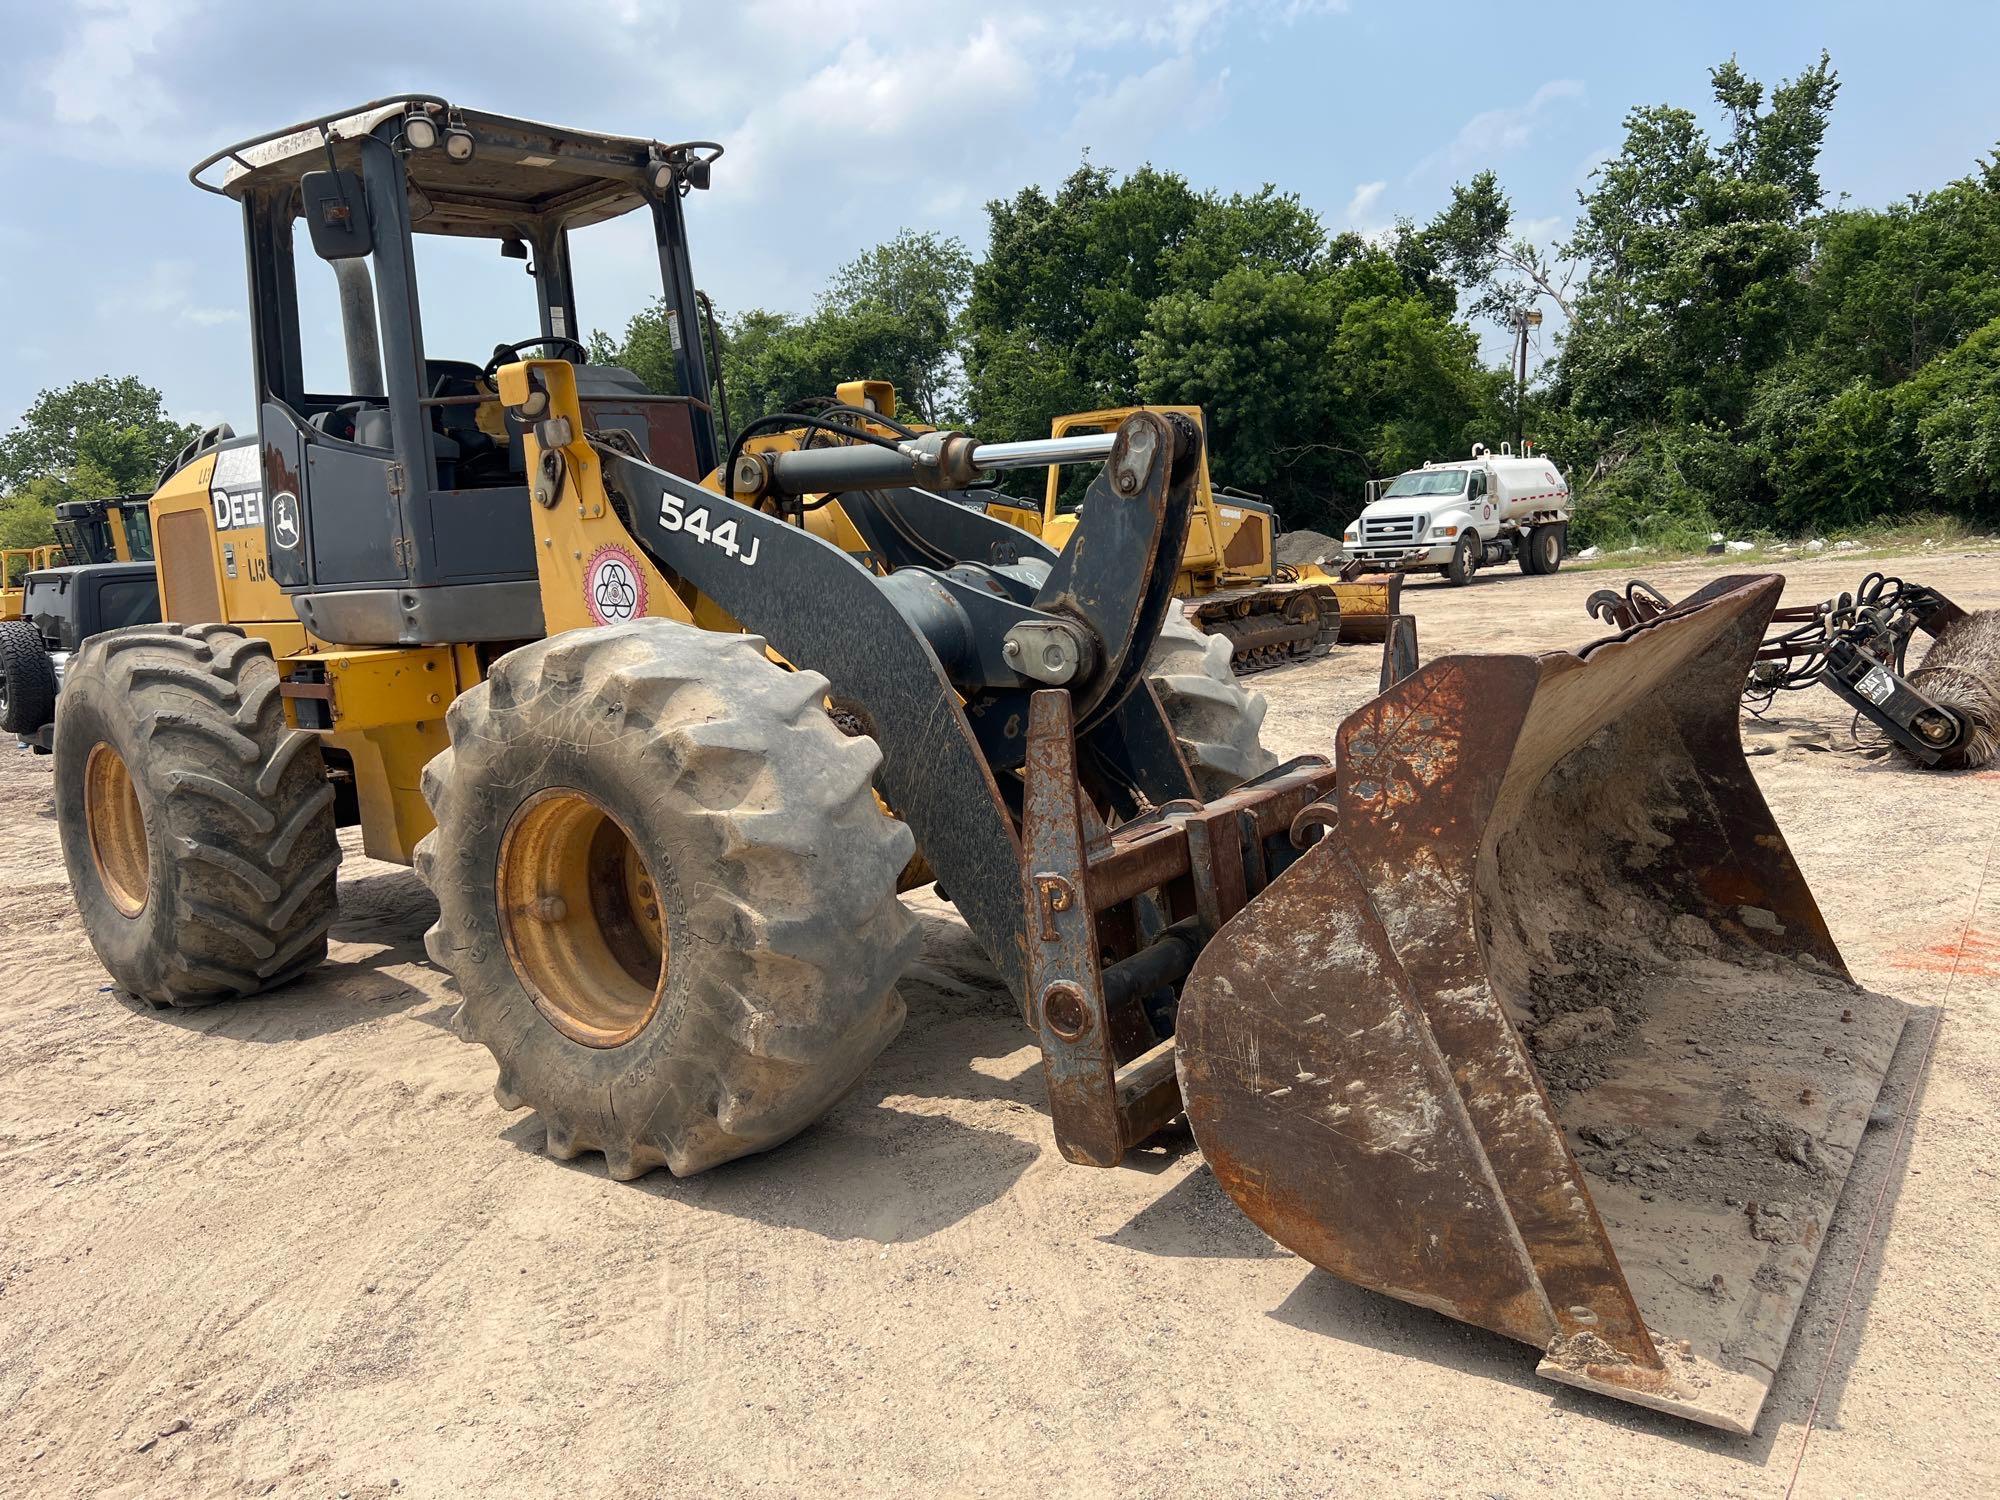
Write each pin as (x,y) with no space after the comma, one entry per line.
(1269,612)
(1513,1007)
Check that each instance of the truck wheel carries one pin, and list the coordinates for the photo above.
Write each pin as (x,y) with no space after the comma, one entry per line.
(1542,552)
(1464,560)
(1216,721)
(197,827)
(667,893)
(27,679)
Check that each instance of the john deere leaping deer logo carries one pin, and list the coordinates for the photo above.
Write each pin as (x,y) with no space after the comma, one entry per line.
(285,520)
(614,586)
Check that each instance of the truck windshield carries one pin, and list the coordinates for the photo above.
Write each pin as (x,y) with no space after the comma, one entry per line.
(1426,482)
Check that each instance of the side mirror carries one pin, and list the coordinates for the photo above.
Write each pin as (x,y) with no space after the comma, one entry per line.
(336,214)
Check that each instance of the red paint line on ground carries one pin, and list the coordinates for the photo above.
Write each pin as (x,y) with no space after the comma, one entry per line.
(1868,1235)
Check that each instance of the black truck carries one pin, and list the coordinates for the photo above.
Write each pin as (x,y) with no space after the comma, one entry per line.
(105,581)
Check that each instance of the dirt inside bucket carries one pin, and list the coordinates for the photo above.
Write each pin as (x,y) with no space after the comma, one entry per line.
(1712,1078)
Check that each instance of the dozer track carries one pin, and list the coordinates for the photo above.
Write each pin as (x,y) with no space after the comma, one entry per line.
(1272,624)
(1546,1032)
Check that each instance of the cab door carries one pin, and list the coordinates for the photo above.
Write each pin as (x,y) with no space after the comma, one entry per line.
(1480,501)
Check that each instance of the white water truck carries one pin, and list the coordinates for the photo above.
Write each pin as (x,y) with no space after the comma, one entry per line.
(1461,516)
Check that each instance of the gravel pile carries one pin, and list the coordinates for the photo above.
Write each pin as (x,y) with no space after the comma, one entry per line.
(1307,547)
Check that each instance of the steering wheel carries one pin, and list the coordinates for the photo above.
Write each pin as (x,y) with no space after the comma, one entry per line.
(506,354)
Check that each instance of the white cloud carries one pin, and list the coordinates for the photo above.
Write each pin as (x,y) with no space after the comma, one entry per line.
(1587,168)
(103,86)
(1123,117)
(1360,208)
(164,293)
(1494,133)
(840,129)
(1364,214)
(862,114)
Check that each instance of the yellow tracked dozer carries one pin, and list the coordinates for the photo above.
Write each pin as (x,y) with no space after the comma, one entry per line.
(1235,587)
(1517,1007)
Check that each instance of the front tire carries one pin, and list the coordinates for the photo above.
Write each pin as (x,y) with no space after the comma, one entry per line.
(1217,722)
(667,893)
(1464,560)
(198,828)
(27,679)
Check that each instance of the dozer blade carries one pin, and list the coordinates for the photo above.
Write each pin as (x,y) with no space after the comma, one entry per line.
(1546,1033)
(1367,606)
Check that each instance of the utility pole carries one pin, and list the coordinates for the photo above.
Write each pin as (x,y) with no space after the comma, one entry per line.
(1524,319)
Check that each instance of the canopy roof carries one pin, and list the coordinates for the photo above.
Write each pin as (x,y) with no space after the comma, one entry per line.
(519,169)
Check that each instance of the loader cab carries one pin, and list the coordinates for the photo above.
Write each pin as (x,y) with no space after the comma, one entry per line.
(387,481)
(118,529)
(1067,484)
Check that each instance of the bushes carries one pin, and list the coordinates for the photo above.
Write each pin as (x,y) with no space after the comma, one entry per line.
(1654,491)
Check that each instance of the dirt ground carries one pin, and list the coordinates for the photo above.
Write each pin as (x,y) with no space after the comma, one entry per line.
(291,1246)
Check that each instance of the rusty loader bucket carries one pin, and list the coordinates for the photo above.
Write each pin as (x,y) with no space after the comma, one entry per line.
(1545,1032)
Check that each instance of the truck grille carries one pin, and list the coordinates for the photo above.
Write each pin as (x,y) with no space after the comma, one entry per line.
(1389,529)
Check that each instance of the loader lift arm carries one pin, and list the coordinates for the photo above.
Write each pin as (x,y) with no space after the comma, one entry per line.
(922,655)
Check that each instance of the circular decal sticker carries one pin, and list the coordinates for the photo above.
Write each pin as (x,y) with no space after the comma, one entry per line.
(285,520)
(614,586)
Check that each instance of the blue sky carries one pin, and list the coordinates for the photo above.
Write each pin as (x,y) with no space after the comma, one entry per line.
(843,127)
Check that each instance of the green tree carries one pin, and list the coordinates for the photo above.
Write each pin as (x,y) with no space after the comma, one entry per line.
(1687,384)
(1252,353)
(889,315)
(1068,280)
(117,423)
(1315,382)
(1696,253)
(1891,290)
(1473,239)
(1953,406)
(108,436)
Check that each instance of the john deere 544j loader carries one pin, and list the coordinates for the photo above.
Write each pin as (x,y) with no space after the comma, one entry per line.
(1426,1005)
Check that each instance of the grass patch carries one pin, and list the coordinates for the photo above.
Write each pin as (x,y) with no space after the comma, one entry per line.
(1918,534)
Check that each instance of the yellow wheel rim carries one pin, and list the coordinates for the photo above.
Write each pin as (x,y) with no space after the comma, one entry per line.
(581,918)
(117,829)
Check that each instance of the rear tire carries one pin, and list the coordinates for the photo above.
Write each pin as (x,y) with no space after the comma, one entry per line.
(1464,560)
(27,679)
(196,825)
(1542,553)
(1216,720)
(667,893)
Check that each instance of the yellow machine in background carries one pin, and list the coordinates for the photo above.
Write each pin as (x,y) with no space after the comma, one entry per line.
(15,565)
(1270,612)
(87,531)
(116,529)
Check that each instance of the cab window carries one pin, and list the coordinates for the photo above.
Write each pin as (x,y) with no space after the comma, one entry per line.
(1069,483)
